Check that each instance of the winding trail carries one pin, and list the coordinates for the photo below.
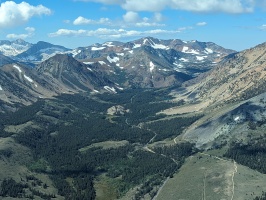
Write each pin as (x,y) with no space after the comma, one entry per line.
(233,182)
(233,174)
(160,189)
(204,186)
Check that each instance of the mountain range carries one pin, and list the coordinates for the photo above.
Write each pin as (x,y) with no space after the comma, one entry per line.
(42,70)
(145,119)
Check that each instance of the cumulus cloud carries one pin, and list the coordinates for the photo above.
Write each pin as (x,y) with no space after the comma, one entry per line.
(227,6)
(30,32)
(201,24)
(84,21)
(111,33)
(131,17)
(13,14)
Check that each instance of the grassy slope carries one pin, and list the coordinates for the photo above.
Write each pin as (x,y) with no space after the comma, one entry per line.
(216,175)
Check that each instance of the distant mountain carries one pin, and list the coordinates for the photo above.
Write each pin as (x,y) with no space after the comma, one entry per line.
(40,52)
(150,62)
(13,48)
(188,57)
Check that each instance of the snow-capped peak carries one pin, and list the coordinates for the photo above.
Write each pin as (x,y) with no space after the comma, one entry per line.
(13,48)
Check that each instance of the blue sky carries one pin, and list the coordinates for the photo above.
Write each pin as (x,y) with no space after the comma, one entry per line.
(235,24)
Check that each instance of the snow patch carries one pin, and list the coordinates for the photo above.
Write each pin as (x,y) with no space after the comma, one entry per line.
(120,54)
(237,118)
(75,52)
(18,68)
(145,40)
(109,44)
(179,65)
(110,89)
(102,62)
(152,66)
(97,48)
(160,46)
(117,64)
(119,88)
(96,91)
(130,51)
(200,58)
(165,70)
(154,45)
(89,69)
(111,60)
(208,51)
(183,59)
(88,63)
(1,88)
(136,46)
(187,50)
(28,78)
(184,49)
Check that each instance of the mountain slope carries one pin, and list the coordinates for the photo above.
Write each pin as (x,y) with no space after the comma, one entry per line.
(239,76)
(5,60)
(21,85)
(66,72)
(230,95)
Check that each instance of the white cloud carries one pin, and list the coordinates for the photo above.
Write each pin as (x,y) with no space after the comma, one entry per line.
(104,1)
(158,17)
(30,33)
(12,14)
(131,17)
(105,33)
(83,21)
(147,24)
(201,24)
(227,6)
(30,29)
(263,27)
